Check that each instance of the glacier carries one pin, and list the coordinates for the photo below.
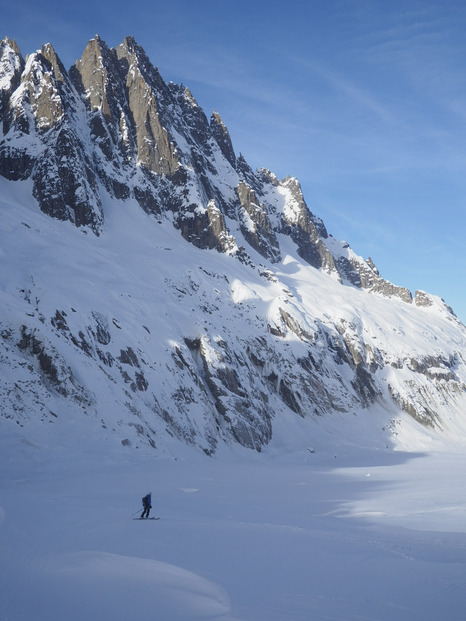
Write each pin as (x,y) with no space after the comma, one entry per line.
(174,321)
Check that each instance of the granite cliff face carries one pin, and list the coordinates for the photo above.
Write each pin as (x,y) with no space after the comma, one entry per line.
(113,121)
(110,131)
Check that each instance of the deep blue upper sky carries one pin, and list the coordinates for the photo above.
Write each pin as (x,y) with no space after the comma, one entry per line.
(364,101)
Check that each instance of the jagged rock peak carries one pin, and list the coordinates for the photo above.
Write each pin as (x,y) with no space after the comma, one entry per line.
(222,136)
(372,265)
(90,74)
(96,46)
(7,42)
(246,173)
(189,96)
(299,211)
(11,67)
(137,57)
(45,89)
(48,52)
(122,84)
(131,45)
(116,123)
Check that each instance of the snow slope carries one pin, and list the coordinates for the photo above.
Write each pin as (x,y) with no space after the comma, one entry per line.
(150,293)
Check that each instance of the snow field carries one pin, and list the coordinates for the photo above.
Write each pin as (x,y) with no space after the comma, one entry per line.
(342,535)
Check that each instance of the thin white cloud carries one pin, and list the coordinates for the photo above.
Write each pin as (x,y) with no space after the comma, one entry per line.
(349,88)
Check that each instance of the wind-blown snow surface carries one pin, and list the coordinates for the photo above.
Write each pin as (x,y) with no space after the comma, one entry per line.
(331,535)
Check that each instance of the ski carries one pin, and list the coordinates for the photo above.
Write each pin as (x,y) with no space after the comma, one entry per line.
(149,518)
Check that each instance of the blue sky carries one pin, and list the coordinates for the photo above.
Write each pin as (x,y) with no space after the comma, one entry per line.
(364,101)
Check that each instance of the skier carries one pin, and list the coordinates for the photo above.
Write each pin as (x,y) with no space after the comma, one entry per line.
(147,504)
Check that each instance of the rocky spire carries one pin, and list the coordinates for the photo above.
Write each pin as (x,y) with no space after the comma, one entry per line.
(255,224)
(11,67)
(144,90)
(94,76)
(221,135)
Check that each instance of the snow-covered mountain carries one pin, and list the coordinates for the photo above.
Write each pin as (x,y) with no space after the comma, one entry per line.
(155,283)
